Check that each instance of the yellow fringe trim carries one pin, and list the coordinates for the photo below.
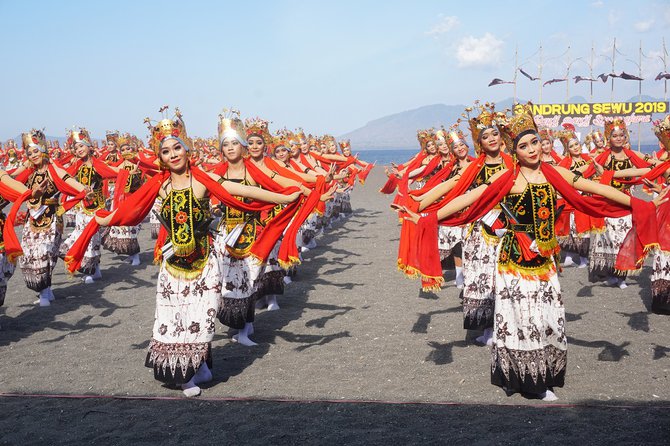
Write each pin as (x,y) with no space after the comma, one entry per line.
(544,272)
(183,274)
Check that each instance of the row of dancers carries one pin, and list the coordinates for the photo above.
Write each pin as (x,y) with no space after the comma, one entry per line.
(231,217)
(506,214)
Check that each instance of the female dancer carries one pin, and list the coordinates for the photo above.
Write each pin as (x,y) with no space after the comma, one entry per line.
(529,352)
(188,294)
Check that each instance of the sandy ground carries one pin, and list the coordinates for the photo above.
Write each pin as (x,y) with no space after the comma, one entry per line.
(350,328)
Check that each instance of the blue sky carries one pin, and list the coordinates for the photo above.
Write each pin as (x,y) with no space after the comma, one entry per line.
(325,66)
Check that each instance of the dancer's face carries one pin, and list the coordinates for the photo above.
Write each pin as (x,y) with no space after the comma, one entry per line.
(460,150)
(111,145)
(127,152)
(281,153)
(346,151)
(442,147)
(232,149)
(35,155)
(295,149)
(618,138)
(332,148)
(431,148)
(546,146)
(490,140)
(256,147)
(173,155)
(528,150)
(82,150)
(304,148)
(574,148)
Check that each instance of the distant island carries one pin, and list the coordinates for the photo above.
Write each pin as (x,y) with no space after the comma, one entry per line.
(398,131)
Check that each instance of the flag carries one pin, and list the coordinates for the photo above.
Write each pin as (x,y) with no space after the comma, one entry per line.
(587,79)
(629,77)
(497,81)
(662,75)
(528,75)
(553,81)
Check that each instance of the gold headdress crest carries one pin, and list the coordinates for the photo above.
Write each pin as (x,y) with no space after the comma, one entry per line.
(520,123)
(124,140)
(34,138)
(231,126)
(566,135)
(486,119)
(78,135)
(344,144)
(258,127)
(546,133)
(614,124)
(168,128)
(662,132)
(453,135)
(425,136)
(112,137)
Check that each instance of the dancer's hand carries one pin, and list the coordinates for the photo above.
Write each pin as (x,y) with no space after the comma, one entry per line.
(329,195)
(655,187)
(661,197)
(599,169)
(411,216)
(39,189)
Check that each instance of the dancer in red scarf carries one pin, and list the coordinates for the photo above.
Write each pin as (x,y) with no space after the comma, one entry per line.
(188,295)
(549,155)
(529,353)
(605,243)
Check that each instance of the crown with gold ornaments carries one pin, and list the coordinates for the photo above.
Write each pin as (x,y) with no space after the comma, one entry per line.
(425,136)
(230,125)
(566,135)
(662,131)
(546,134)
(452,136)
(614,124)
(78,135)
(344,144)
(516,125)
(34,138)
(487,118)
(124,140)
(112,136)
(168,128)
(258,127)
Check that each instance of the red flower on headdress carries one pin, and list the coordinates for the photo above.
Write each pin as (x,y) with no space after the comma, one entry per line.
(35,140)
(82,136)
(175,132)
(181,217)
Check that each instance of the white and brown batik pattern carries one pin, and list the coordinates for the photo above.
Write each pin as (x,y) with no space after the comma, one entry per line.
(240,284)
(660,283)
(184,323)
(122,240)
(6,272)
(479,265)
(605,246)
(271,281)
(447,239)
(40,253)
(92,255)
(577,243)
(529,342)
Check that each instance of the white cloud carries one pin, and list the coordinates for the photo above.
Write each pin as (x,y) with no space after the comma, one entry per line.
(445,25)
(644,25)
(613,17)
(598,4)
(485,51)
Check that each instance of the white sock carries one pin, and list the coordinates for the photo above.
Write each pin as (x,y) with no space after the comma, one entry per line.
(243,336)
(568,261)
(135,259)
(44,298)
(51,294)
(272,302)
(622,284)
(459,276)
(190,389)
(548,396)
(88,280)
(583,262)
(97,275)
(203,375)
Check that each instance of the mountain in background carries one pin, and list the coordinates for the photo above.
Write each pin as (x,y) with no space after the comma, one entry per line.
(398,131)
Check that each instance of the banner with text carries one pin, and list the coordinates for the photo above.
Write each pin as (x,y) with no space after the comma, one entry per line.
(585,115)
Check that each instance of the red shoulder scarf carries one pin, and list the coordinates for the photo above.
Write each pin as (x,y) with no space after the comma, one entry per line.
(602,159)
(642,236)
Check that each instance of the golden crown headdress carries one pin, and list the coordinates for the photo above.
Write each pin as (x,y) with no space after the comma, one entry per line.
(79,135)
(487,118)
(547,134)
(124,140)
(520,123)
(112,136)
(597,135)
(231,126)
(312,140)
(280,139)
(566,135)
(662,131)
(614,124)
(168,128)
(345,143)
(258,127)
(453,135)
(425,136)
(34,138)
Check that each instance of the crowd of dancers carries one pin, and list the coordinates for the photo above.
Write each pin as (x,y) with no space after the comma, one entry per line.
(516,213)
(230,215)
